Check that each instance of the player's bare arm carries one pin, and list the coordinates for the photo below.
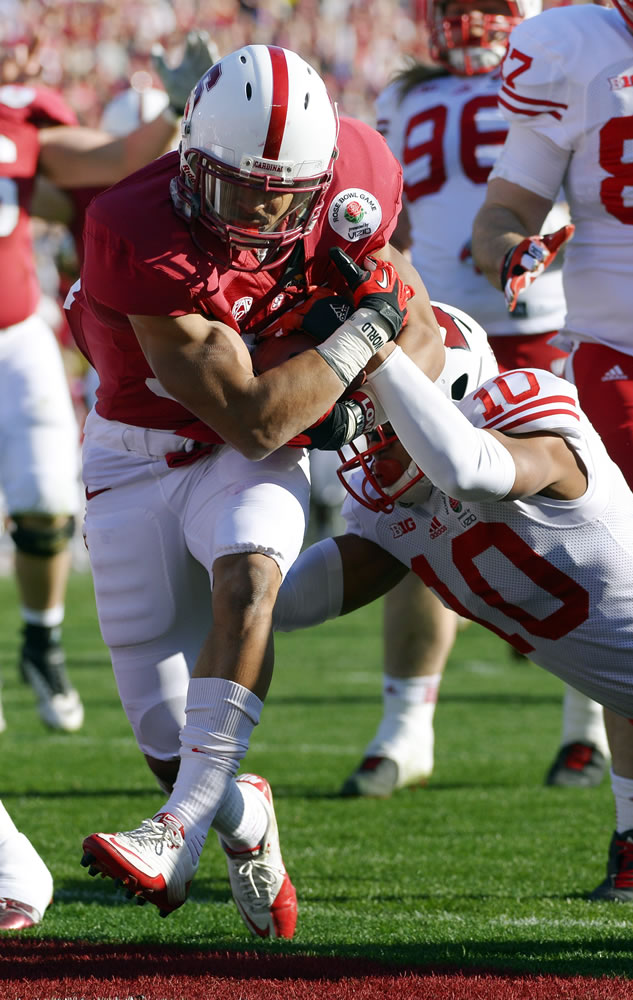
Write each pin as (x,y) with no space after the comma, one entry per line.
(84,157)
(546,465)
(509,214)
(369,571)
(207,367)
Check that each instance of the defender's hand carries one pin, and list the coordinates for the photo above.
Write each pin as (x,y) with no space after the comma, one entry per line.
(527,260)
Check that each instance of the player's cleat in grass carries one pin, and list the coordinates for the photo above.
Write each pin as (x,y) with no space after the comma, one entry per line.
(152,862)
(577,765)
(380,777)
(618,885)
(58,703)
(264,895)
(16,916)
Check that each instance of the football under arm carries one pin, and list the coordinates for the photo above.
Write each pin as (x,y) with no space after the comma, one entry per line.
(332,578)
(463,461)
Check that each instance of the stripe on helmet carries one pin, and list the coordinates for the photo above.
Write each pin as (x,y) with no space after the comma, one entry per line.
(279,109)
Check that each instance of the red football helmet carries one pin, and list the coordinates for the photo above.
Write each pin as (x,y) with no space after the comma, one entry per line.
(258,142)
(469,37)
(385,480)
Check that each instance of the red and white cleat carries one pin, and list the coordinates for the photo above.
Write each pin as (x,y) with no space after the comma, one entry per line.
(153,862)
(264,895)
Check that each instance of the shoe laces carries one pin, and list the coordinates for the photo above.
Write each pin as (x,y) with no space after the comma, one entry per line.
(157,835)
(257,876)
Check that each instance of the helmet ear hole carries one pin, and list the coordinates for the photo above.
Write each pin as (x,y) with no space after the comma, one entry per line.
(458,388)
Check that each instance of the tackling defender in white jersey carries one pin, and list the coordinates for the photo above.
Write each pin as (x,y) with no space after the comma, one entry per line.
(443,124)
(520,521)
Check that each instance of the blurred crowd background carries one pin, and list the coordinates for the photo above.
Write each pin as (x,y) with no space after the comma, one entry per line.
(92,49)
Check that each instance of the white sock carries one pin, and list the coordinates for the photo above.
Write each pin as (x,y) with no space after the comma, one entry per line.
(241,819)
(7,826)
(49,617)
(583,721)
(406,732)
(623,795)
(220,717)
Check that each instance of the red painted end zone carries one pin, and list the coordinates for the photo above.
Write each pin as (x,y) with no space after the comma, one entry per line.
(71,970)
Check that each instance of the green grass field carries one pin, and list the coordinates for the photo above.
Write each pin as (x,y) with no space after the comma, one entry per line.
(485,867)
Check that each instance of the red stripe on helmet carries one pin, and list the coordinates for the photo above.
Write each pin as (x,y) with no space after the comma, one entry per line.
(279,109)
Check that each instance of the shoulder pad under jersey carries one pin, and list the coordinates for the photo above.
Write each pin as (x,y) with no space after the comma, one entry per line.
(523,401)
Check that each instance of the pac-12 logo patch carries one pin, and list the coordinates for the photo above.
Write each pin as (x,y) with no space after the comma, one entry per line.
(241,307)
(354,214)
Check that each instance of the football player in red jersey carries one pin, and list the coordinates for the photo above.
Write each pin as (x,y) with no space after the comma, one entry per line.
(442,122)
(194,500)
(39,138)
(509,508)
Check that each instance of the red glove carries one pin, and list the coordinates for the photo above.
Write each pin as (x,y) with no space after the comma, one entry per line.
(380,288)
(528,259)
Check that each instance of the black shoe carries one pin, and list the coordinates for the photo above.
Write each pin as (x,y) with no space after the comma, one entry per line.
(577,765)
(58,704)
(618,885)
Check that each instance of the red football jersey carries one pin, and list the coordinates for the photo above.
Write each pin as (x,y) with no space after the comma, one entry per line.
(23,110)
(140,259)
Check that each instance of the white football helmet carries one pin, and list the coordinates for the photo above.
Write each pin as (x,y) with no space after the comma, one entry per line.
(469,37)
(469,363)
(258,142)
(131,108)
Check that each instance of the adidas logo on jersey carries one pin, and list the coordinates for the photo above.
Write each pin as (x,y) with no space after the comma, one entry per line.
(437,528)
(614,374)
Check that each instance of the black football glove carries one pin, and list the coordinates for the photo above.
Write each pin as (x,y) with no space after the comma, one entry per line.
(347,420)
(199,54)
(380,289)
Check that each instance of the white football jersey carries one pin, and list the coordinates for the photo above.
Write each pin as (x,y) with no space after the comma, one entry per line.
(553,578)
(447,133)
(568,78)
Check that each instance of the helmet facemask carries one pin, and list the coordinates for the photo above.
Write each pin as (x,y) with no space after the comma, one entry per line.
(468,40)
(385,479)
(248,211)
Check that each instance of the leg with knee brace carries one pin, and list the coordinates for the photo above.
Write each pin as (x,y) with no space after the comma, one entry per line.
(41,535)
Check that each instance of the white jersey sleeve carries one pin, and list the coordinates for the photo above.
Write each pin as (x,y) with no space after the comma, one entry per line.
(567,92)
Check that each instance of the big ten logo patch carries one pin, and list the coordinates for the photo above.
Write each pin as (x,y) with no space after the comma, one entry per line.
(403,527)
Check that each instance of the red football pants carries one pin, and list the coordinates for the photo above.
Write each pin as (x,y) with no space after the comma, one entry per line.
(604,380)
(529,351)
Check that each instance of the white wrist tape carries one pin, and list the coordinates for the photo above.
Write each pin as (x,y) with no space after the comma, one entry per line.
(465,462)
(312,591)
(349,348)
